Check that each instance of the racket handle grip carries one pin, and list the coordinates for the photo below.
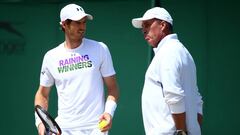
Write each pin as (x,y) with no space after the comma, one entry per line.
(47,132)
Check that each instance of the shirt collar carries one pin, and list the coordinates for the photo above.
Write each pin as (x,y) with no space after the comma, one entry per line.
(163,41)
(75,49)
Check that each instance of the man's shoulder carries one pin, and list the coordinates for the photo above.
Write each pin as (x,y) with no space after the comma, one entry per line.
(173,45)
(54,50)
(93,42)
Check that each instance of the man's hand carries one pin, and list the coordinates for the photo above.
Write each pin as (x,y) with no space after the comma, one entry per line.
(200,119)
(108,118)
(41,129)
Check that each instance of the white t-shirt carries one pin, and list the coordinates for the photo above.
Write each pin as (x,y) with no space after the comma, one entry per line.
(170,87)
(77,74)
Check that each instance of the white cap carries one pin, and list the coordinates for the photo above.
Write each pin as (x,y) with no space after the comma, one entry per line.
(156,12)
(73,12)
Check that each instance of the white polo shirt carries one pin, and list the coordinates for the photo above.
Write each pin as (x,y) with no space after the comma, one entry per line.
(77,74)
(170,87)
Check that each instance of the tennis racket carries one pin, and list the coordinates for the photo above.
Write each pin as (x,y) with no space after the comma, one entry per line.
(50,124)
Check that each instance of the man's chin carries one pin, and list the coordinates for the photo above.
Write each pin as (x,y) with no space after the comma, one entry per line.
(150,44)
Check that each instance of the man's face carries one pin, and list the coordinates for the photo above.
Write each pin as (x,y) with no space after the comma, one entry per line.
(152,30)
(75,30)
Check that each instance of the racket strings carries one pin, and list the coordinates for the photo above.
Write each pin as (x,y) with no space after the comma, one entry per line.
(48,123)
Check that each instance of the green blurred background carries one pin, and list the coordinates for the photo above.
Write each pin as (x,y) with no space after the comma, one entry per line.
(208,28)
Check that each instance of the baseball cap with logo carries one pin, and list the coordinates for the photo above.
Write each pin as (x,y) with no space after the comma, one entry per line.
(73,12)
(156,12)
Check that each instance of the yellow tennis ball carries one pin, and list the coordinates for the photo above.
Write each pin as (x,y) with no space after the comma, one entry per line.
(102,124)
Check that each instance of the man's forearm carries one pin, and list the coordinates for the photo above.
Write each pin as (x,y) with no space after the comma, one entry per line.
(180,121)
(41,97)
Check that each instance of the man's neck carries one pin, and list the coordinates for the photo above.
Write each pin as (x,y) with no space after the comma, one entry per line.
(72,44)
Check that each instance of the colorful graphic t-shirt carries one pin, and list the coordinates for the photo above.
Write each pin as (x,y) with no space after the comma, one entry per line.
(77,74)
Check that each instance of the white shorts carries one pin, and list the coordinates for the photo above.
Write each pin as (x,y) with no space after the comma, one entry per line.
(84,132)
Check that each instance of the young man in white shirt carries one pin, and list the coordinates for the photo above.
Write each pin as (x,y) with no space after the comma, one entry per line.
(79,67)
(171,103)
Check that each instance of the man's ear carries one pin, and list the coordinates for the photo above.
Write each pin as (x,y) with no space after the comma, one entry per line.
(163,25)
(64,24)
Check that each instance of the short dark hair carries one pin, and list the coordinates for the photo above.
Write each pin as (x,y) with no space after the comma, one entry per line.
(170,27)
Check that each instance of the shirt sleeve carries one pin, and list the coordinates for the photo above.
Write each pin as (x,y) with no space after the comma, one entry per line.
(46,78)
(170,73)
(106,68)
(200,103)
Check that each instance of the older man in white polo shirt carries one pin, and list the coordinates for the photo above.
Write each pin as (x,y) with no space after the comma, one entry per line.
(171,103)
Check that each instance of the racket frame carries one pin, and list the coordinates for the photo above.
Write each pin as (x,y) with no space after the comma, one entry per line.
(49,117)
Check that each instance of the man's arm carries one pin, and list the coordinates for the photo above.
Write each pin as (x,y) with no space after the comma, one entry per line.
(200,119)
(180,121)
(111,102)
(112,87)
(41,98)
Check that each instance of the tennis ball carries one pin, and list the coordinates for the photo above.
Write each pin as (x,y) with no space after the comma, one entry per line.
(102,124)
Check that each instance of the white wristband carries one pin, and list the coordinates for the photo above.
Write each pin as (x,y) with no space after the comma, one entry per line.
(37,120)
(110,107)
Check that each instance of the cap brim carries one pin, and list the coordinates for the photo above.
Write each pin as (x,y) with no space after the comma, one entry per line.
(79,17)
(137,22)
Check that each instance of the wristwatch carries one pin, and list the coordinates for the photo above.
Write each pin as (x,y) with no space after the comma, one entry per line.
(180,132)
